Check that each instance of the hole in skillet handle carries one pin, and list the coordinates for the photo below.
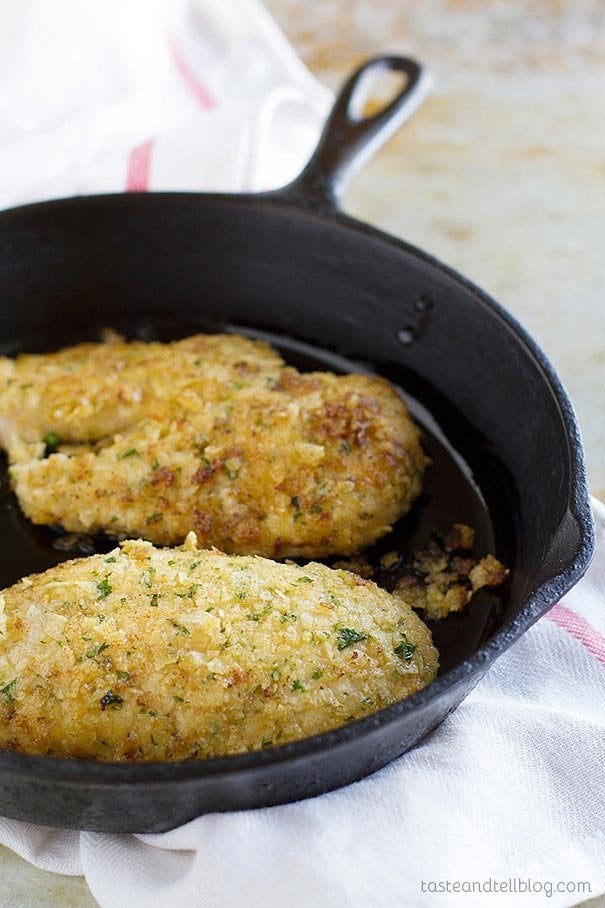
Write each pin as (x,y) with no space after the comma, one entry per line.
(375,91)
(349,137)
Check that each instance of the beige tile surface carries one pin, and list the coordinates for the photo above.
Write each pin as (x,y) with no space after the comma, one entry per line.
(501,174)
(24,886)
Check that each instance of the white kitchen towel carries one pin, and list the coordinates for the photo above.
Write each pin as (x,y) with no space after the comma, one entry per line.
(149,94)
(509,791)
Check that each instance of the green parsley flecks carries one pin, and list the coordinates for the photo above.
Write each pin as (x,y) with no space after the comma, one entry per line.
(405,650)
(104,588)
(347,636)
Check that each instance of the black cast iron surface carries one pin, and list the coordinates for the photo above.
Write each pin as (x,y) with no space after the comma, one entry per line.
(331,293)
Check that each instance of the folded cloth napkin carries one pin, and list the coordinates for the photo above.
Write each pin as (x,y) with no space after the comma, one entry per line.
(509,791)
(149,94)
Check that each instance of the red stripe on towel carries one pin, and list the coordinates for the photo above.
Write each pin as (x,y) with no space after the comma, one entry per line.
(139,166)
(139,161)
(579,628)
(198,89)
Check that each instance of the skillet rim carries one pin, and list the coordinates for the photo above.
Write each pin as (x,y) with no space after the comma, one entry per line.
(86,772)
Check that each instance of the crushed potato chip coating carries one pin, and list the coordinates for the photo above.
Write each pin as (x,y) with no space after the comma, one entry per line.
(214,434)
(443,577)
(161,654)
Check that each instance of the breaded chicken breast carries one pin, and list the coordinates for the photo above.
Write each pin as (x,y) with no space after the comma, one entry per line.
(162,654)
(214,434)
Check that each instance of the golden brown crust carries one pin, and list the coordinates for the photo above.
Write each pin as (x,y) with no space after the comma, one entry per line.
(213,434)
(148,654)
(443,577)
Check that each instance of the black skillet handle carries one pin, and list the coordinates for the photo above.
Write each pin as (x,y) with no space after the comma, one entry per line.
(349,139)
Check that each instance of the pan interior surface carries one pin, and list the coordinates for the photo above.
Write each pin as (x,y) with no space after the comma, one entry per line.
(452,493)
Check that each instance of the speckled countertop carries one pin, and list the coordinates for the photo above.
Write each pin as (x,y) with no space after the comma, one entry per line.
(501,174)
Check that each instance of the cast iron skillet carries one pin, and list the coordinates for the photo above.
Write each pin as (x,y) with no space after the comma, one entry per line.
(334,293)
